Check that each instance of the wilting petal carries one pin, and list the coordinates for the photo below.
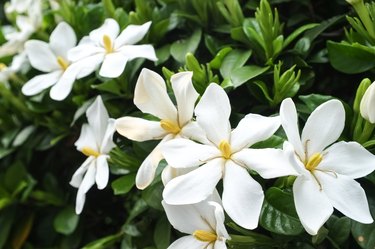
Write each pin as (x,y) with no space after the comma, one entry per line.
(139,129)
(213,112)
(97,117)
(151,96)
(349,159)
(188,242)
(269,163)
(41,56)
(251,129)
(312,205)
(182,153)
(324,126)
(139,51)
(40,82)
(102,171)
(86,138)
(87,182)
(110,28)
(186,96)
(113,65)
(195,186)
(132,34)
(242,196)
(289,122)
(80,172)
(346,195)
(107,143)
(62,39)
(185,218)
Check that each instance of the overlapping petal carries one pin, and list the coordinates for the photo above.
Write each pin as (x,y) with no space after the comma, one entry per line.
(113,65)
(87,182)
(86,138)
(110,28)
(132,52)
(188,242)
(97,117)
(41,56)
(132,34)
(102,171)
(62,39)
(40,83)
(242,196)
(139,129)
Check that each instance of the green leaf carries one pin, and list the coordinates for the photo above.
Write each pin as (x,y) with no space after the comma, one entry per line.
(233,60)
(243,74)
(339,229)
(111,86)
(278,213)
(364,234)
(6,220)
(180,48)
(103,242)
(162,234)
(153,195)
(351,59)
(297,32)
(123,184)
(66,221)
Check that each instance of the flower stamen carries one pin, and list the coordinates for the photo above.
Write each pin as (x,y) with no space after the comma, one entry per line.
(205,236)
(107,42)
(170,126)
(2,66)
(313,161)
(87,151)
(62,63)
(225,149)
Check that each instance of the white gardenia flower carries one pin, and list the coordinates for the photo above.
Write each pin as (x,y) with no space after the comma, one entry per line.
(151,97)
(367,106)
(19,63)
(95,142)
(204,222)
(51,58)
(326,171)
(226,156)
(107,47)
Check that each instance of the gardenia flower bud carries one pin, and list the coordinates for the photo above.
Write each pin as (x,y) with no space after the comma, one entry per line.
(367,104)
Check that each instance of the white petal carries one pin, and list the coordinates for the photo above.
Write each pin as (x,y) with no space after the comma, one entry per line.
(324,126)
(220,244)
(195,186)
(169,173)
(87,182)
(41,56)
(188,242)
(242,196)
(132,34)
(80,172)
(312,205)
(83,51)
(186,218)
(88,65)
(40,82)
(97,117)
(151,96)
(113,65)
(146,172)
(185,94)
(251,129)
(346,195)
(139,129)
(182,153)
(269,163)
(221,231)
(289,122)
(367,103)
(194,132)
(349,159)
(213,112)
(86,138)
(110,28)
(62,39)
(102,171)
(107,143)
(139,51)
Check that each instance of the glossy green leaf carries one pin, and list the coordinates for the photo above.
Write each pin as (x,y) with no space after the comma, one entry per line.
(162,233)
(246,73)
(123,184)
(180,48)
(233,60)
(66,221)
(278,213)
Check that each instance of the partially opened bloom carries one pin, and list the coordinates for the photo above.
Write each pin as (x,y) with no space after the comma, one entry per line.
(107,47)
(151,97)
(225,156)
(95,142)
(51,58)
(367,106)
(204,222)
(326,171)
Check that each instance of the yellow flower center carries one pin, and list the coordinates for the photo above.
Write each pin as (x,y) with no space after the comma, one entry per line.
(107,44)
(62,63)
(90,152)
(170,126)
(225,149)
(205,236)
(2,66)
(313,162)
